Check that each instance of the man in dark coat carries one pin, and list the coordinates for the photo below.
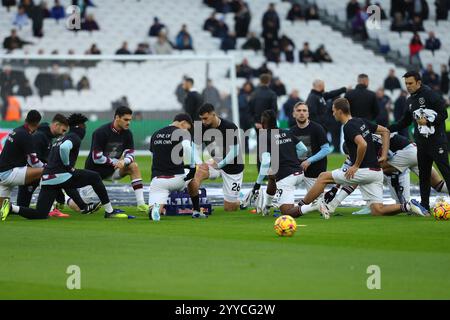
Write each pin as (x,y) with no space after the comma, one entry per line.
(363,102)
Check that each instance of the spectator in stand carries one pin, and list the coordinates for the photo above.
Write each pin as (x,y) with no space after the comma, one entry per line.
(211,23)
(66,82)
(14,42)
(312,13)
(306,55)
(58,12)
(442,8)
(184,40)
(416,8)
(83,84)
(223,6)
(287,47)
(278,87)
(7,84)
(252,43)
(399,23)
(415,46)
(242,20)
(288,106)
(353,8)
(93,50)
(444,79)
(384,108)
(228,42)
(89,24)
(21,18)
(358,25)
(416,25)
(295,13)
(45,9)
(211,95)
(244,70)
(25,90)
(271,22)
(322,55)
(8,4)
(392,82)
(271,46)
(273,54)
(13,110)
(44,83)
(162,45)
(143,48)
(156,27)
(28,5)
(400,107)
(37,15)
(431,78)
(243,100)
(263,69)
(432,43)
(221,30)
(123,49)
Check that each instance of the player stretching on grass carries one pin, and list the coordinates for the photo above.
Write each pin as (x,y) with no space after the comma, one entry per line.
(227,159)
(168,145)
(289,174)
(17,153)
(112,156)
(365,170)
(402,159)
(60,174)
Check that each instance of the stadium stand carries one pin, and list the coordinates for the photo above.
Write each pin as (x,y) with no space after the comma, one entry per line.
(130,21)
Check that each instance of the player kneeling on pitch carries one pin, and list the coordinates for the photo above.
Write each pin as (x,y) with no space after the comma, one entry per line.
(60,174)
(365,170)
(281,162)
(222,141)
(169,146)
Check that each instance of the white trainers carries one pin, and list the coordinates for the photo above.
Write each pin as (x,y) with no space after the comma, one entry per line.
(155,212)
(324,210)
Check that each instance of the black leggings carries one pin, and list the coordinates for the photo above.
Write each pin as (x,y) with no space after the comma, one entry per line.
(48,194)
(25,193)
(426,155)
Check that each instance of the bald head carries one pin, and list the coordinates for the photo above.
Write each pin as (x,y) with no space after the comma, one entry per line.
(319,85)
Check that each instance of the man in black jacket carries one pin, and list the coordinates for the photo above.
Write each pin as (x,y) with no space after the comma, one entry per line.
(318,109)
(262,99)
(427,111)
(193,100)
(317,101)
(363,102)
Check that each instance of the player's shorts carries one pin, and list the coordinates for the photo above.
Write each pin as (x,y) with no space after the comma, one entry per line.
(309,182)
(405,158)
(231,183)
(370,182)
(286,188)
(160,188)
(10,179)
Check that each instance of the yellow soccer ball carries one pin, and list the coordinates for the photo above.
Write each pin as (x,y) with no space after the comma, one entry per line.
(441,211)
(285,226)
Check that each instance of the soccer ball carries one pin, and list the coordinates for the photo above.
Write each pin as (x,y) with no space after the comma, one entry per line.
(285,226)
(441,211)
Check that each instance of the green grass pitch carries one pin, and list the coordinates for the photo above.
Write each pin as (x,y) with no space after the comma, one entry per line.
(228,256)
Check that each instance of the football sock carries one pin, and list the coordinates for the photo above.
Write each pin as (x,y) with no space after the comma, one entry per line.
(108,207)
(269,199)
(138,188)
